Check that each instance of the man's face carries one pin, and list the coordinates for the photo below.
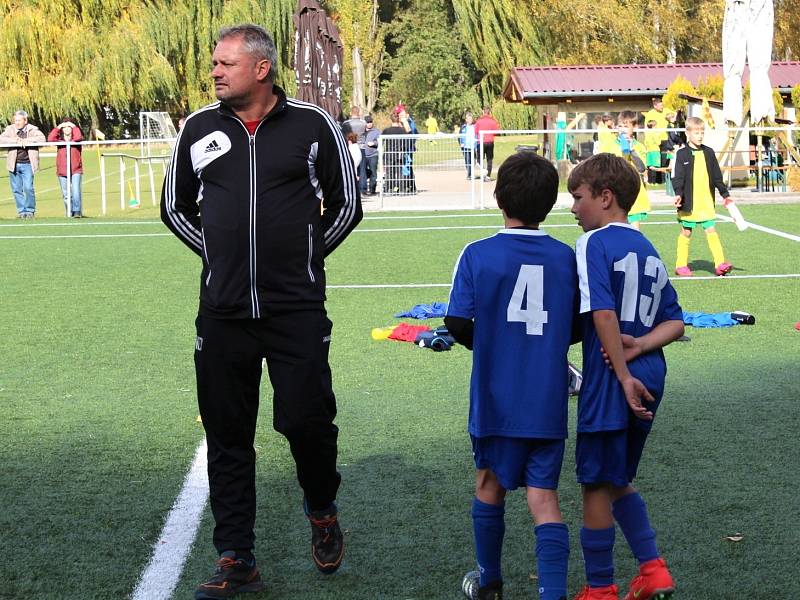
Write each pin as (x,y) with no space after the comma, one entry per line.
(695,135)
(236,73)
(587,208)
(658,105)
(20,121)
(370,125)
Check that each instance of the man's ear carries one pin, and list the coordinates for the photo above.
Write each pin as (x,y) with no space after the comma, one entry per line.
(262,69)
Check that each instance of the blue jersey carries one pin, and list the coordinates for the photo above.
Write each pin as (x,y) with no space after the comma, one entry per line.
(520,288)
(620,270)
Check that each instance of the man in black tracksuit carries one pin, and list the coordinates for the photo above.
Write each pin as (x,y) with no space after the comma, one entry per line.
(243,191)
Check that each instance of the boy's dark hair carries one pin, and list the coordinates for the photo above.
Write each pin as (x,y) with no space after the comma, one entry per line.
(527,187)
(606,171)
(628,115)
(651,124)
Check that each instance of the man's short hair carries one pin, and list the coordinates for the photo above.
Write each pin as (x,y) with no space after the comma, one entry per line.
(695,123)
(21,113)
(651,123)
(606,171)
(256,40)
(527,187)
(628,115)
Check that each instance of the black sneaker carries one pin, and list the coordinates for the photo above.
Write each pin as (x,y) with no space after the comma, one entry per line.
(327,541)
(232,576)
(471,586)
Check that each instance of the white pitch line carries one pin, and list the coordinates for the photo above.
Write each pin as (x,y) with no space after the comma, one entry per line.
(359,286)
(83,223)
(750,225)
(84,236)
(170,551)
(357,230)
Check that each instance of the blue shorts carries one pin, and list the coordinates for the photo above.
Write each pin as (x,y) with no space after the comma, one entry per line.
(518,462)
(610,456)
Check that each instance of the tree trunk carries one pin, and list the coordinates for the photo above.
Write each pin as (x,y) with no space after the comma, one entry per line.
(357,99)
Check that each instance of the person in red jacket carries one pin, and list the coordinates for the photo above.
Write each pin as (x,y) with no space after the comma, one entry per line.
(67,131)
(486,123)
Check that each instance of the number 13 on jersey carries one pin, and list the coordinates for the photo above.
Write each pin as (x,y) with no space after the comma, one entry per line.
(528,291)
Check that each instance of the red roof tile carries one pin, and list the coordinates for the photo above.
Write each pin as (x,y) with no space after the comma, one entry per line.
(539,83)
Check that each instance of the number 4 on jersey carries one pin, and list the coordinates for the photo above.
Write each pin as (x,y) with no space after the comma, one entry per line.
(528,291)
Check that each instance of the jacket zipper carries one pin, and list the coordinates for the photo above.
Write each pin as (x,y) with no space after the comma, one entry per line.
(310,251)
(253,290)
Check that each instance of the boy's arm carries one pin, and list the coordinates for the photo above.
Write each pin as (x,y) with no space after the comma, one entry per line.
(607,326)
(661,335)
(716,175)
(679,178)
(461,329)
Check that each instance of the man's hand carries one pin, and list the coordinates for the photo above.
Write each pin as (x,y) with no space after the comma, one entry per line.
(635,394)
(678,201)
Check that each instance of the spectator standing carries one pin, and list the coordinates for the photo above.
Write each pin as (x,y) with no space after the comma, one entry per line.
(394,152)
(408,183)
(264,163)
(67,131)
(652,145)
(355,124)
(466,140)
(371,153)
(486,123)
(22,162)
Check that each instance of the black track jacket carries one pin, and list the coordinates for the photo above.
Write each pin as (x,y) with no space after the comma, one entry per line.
(250,205)
(683,179)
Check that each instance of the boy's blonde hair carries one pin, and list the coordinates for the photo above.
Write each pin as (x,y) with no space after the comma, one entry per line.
(695,123)
(606,171)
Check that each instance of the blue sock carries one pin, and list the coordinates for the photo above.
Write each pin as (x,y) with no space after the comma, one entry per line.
(552,554)
(489,525)
(598,556)
(631,513)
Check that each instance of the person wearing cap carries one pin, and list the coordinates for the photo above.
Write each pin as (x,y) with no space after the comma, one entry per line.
(67,131)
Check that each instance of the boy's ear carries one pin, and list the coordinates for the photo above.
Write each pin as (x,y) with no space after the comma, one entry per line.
(606,198)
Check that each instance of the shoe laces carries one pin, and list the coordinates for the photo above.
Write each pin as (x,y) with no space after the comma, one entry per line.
(325,524)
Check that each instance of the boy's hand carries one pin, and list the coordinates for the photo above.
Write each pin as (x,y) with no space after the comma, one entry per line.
(635,393)
(678,201)
(631,348)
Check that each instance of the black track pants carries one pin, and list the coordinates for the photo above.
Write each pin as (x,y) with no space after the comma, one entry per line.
(228,357)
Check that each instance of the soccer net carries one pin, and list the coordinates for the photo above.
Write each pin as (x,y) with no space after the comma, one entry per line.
(157,133)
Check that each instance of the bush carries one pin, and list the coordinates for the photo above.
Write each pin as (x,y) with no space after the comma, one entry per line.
(680,85)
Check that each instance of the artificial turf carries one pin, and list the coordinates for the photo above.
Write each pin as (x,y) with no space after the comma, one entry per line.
(97,385)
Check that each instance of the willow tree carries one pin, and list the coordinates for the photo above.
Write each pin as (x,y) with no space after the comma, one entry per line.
(499,35)
(362,34)
(70,58)
(184,32)
(83,58)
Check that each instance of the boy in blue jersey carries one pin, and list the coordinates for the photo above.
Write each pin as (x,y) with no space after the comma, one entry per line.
(513,300)
(624,289)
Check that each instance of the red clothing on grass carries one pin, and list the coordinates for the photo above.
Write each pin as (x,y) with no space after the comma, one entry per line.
(407,333)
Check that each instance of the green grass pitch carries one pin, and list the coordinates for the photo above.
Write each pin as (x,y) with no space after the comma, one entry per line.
(99,419)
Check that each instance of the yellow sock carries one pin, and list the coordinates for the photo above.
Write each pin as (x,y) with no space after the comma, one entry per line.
(716,248)
(682,259)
